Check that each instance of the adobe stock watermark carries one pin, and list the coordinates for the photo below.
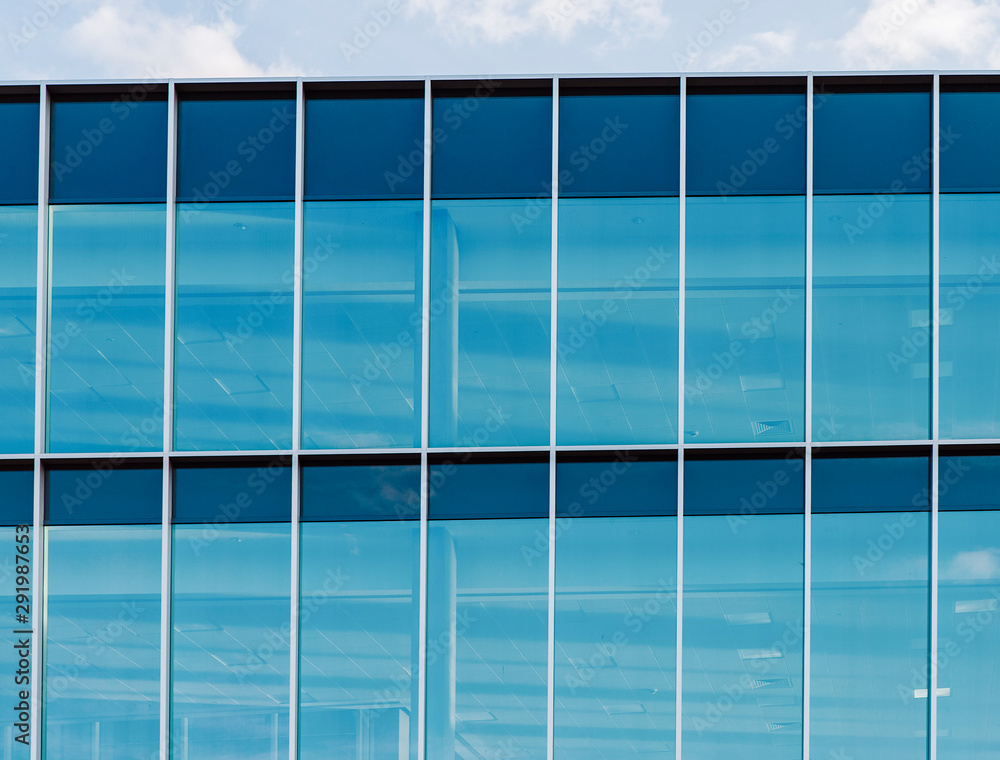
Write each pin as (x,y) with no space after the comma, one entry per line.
(33,24)
(365,33)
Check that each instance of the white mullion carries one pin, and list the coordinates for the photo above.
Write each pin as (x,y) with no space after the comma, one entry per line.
(807,506)
(932,648)
(553,376)
(682,226)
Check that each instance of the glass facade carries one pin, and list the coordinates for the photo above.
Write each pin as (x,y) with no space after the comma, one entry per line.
(542,419)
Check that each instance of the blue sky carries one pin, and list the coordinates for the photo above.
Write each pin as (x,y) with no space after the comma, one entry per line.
(70,39)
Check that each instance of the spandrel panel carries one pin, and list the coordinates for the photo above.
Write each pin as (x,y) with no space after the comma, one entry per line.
(19,253)
(19,158)
(970,161)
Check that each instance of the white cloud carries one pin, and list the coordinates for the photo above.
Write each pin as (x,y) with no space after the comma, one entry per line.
(127,38)
(498,21)
(757,52)
(923,33)
(981,564)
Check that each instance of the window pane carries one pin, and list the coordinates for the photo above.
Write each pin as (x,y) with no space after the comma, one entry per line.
(19,159)
(872,142)
(619,144)
(361,492)
(104,495)
(488,146)
(744,366)
(870,484)
(102,658)
(969,482)
(234,494)
(361,324)
(490,320)
(364,148)
(233,364)
(742,488)
(93,142)
(969,125)
(616,484)
(489,489)
(236,150)
(106,329)
(19,248)
(743,144)
(618,325)
(871,317)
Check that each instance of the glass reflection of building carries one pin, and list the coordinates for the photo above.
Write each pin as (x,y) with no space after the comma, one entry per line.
(641,418)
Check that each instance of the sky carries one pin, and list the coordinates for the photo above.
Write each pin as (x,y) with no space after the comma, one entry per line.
(142,39)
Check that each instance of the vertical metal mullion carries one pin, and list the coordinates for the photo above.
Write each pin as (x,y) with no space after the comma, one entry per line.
(681,264)
(932,691)
(553,369)
(807,530)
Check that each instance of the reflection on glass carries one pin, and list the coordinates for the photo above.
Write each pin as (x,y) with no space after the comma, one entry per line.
(19,253)
(358,647)
(102,654)
(490,318)
(233,362)
(744,371)
(615,626)
(618,327)
(970,315)
(361,324)
(230,645)
(871,317)
(486,638)
(106,327)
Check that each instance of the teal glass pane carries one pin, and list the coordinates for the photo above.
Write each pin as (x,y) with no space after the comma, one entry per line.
(233,352)
(486,638)
(102,655)
(361,322)
(970,316)
(358,641)
(618,326)
(490,319)
(106,327)
(19,254)
(616,638)
(744,365)
(968,635)
(17,596)
(230,641)
(870,610)
(871,317)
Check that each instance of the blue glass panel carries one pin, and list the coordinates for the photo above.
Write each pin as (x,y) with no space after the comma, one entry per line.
(490,319)
(616,638)
(872,142)
(969,125)
(19,252)
(93,143)
(744,365)
(618,326)
(619,145)
(743,638)
(870,484)
(746,144)
(621,484)
(102,658)
(870,614)
(486,638)
(17,495)
(969,482)
(364,148)
(106,328)
(361,324)
(493,489)
(970,312)
(361,492)
(104,495)
(742,488)
(358,696)
(233,361)
(230,642)
(486,147)
(236,150)
(233,494)
(871,318)
(19,158)
(16,596)
(968,635)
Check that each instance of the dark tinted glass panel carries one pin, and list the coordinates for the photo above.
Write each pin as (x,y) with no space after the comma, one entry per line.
(19,157)
(746,144)
(233,494)
(17,489)
(969,482)
(99,148)
(620,485)
(872,142)
(618,145)
(19,254)
(104,495)
(876,484)
(233,150)
(488,146)
(364,148)
(743,487)
(465,491)
(970,122)
(361,492)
